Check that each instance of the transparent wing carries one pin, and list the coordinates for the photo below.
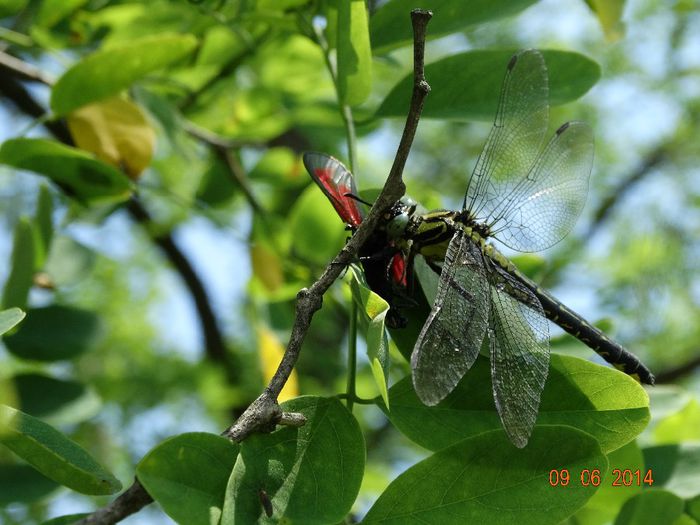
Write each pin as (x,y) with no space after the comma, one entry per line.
(519,344)
(516,137)
(451,338)
(336,182)
(543,207)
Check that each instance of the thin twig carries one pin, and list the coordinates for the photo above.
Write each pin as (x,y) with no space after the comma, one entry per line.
(214,139)
(237,173)
(130,501)
(615,196)
(677,372)
(24,70)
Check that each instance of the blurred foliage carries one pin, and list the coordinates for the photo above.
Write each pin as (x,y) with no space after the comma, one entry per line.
(195,112)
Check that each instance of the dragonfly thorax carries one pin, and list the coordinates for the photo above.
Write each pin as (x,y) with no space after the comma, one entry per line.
(467,219)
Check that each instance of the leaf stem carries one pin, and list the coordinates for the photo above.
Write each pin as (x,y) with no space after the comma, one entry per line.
(350,390)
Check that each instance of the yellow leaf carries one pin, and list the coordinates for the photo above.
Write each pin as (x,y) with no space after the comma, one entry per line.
(271,351)
(266,267)
(609,14)
(117,132)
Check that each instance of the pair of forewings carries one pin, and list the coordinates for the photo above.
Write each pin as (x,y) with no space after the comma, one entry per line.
(529,197)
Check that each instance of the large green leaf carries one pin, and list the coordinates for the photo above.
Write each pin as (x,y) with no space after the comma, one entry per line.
(53,333)
(107,72)
(354,53)
(613,490)
(10,318)
(599,400)
(651,507)
(53,454)
(375,308)
(310,474)
(391,26)
(78,173)
(187,476)
(467,85)
(486,480)
(19,282)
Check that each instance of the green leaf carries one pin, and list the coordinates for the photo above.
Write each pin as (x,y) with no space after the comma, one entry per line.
(606,503)
(675,467)
(53,333)
(187,476)
(68,519)
(375,308)
(60,400)
(390,26)
(53,454)
(107,72)
(311,474)
(486,480)
(21,483)
(681,426)
(21,277)
(651,507)
(468,85)
(10,318)
(78,173)
(354,53)
(601,401)
(43,228)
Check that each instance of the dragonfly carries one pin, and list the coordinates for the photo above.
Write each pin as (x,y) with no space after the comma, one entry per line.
(527,194)
(383,265)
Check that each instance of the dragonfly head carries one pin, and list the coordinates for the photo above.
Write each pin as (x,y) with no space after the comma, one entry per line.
(397,218)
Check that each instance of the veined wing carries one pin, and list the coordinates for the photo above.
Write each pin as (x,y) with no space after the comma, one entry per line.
(451,338)
(516,137)
(336,182)
(543,207)
(519,343)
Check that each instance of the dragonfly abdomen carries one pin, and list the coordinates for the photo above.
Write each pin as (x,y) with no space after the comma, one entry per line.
(591,336)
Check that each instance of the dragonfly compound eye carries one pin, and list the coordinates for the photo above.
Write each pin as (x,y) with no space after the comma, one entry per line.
(396,227)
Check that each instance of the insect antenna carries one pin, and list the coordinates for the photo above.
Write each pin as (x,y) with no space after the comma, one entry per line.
(357,198)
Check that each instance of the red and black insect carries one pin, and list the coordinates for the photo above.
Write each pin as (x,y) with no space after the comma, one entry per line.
(384,266)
